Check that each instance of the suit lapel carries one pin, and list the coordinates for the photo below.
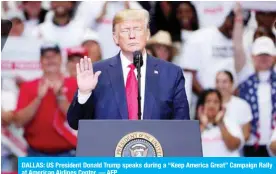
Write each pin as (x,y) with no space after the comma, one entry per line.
(117,81)
(151,89)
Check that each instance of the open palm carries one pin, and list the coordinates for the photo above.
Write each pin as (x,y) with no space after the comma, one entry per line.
(86,79)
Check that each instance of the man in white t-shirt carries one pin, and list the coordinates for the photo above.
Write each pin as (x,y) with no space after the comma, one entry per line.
(61,29)
(208,51)
(259,90)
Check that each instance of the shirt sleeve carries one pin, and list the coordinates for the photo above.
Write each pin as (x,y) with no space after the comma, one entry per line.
(235,130)
(82,98)
(246,113)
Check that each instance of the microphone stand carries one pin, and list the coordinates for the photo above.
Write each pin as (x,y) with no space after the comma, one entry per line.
(138,62)
(139,88)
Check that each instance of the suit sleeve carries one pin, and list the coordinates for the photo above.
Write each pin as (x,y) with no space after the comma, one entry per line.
(79,111)
(180,102)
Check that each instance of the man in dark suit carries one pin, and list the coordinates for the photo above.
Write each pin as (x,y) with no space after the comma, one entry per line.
(111,93)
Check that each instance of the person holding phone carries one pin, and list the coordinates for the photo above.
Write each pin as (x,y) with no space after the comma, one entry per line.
(220,136)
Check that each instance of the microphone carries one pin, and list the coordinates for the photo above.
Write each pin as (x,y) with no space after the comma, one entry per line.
(138,63)
(138,59)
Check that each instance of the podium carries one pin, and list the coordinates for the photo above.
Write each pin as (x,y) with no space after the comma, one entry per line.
(146,138)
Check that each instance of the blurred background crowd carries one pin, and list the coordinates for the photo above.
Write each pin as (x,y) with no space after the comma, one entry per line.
(226,50)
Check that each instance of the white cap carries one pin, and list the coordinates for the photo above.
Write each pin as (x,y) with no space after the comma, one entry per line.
(263,45)
(12,14)
(90,35)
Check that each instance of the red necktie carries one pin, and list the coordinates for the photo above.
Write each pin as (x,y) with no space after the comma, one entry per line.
(132,94)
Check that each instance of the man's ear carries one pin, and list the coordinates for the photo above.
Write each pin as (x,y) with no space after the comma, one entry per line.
(115,38)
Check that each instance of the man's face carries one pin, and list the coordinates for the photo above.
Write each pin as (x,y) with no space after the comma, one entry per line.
(131,35)
(71,65)
(263,62)
(94,50)
(51,62)
(62,8)
(162,51)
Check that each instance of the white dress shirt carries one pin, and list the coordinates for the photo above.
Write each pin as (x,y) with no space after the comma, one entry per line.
(82,98)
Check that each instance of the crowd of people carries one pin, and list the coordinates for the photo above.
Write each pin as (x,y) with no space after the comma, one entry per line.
(227,54)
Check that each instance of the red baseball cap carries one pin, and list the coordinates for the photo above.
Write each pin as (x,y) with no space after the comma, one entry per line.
(77,51)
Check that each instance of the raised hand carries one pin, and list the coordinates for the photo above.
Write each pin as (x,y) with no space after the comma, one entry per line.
(43,88)
(238,13)
(57,86)
(104,9)
(103,12)
(220,116)
(86,79)
(202,116)
(238,9)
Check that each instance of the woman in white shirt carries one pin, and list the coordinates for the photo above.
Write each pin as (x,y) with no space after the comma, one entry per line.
(188,21)
(220,136)
(237,109)
(34,14)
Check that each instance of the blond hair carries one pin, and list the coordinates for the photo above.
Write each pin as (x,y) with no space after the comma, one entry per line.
(131,14)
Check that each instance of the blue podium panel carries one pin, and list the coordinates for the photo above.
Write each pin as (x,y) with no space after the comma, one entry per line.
(143,138)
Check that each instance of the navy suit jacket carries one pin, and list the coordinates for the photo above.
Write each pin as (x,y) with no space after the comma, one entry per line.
(165,96)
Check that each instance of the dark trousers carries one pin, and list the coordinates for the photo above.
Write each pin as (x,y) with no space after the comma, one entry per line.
(251,151)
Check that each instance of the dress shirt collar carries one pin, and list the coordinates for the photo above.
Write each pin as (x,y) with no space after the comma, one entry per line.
(125,61)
